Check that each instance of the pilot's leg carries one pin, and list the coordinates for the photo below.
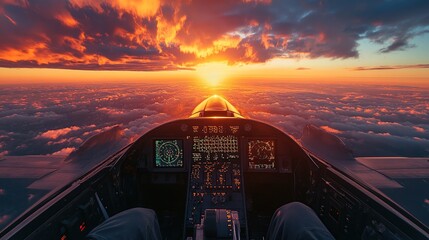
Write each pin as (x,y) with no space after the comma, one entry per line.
(296,221)
(135,223)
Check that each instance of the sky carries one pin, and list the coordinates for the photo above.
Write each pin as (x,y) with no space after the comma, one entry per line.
(72,69)
(364,63)
(380,41)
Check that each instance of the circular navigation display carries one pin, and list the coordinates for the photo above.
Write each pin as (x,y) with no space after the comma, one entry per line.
(168,153)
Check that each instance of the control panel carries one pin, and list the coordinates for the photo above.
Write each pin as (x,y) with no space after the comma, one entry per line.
(168,153)
(261,154)
(202,164)
(215,177)
(339,210)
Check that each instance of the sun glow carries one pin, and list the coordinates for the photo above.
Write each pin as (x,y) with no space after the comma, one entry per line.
(214,73)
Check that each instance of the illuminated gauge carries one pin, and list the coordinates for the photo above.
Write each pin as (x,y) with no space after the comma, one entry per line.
(168,153)
(261,154)
(263,151)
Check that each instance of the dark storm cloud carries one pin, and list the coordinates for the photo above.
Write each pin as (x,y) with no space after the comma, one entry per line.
(157,35)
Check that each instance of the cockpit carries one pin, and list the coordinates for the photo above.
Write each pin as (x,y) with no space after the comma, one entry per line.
(217,164)
(215,159)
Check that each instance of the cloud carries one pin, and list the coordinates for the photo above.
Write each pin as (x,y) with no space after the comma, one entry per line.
(75,113)
(144,35)
(64,151)
(371,120)
(54,134)
(400,43)
(419,129)
(393,67)
(330,130)
(397,45)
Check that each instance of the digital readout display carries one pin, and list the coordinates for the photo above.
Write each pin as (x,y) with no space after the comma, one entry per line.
(261,154)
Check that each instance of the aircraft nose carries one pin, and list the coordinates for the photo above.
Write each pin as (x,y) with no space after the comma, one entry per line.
(215,106)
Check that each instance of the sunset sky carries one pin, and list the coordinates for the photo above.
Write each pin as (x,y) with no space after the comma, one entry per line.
(216,41)
(72,70)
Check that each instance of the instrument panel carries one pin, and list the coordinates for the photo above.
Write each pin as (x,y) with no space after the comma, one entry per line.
(172,146)
(169,153)
(215,178)
(261,154)
(214,155)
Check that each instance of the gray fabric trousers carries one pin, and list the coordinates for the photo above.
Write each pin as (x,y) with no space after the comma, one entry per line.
(291,221)
(297,221)
(135,223)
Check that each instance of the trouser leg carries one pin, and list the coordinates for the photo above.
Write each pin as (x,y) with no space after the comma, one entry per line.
(135,223)
(296,221)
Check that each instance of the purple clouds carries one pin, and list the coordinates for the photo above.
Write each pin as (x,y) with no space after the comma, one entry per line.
(372,120)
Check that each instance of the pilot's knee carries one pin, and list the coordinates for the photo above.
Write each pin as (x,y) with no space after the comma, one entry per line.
(134,223)
(292,209)
(141,212)
(141,215)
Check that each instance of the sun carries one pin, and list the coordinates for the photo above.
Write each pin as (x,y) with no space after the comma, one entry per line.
(213,73)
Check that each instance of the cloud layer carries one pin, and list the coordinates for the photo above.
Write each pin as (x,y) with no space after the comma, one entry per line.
(165,35)
(372,120)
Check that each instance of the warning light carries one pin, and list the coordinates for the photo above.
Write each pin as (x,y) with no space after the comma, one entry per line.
(82,226)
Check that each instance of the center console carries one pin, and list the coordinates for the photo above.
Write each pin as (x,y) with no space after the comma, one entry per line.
(215,180)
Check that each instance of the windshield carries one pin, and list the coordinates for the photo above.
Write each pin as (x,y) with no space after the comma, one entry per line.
(72,69)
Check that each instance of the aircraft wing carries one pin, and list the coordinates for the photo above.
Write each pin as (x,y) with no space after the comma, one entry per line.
(20,182)
(24,180)
(411,181)
(404,180)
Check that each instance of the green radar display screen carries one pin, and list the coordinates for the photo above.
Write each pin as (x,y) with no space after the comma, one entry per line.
(169,153)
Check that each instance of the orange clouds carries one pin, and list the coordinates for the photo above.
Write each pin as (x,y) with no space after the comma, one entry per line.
(54,134)
(419,129)
(165,35)
(68,20)
(64,151)
(143,8)
(218,46)
(330,129)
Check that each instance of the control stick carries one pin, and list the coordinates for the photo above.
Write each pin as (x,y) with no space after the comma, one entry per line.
(218,224)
